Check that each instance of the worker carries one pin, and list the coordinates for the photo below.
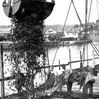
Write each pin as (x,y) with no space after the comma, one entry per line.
(88,86)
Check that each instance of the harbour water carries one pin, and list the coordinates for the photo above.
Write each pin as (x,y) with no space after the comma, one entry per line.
(62,54)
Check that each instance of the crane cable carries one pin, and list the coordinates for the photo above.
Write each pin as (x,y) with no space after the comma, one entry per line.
(62,31)
(67,16)
(76,12)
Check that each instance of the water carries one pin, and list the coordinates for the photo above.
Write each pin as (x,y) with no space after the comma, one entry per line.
(62,55)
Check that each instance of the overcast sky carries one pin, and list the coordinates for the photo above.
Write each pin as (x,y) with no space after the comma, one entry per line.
(60,11)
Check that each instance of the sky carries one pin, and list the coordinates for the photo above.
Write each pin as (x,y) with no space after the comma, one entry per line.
(59,13)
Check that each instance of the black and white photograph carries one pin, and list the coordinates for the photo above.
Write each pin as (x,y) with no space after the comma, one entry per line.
(49,49)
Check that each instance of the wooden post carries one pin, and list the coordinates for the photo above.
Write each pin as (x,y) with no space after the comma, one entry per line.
(87,57)
(59,65)
(70,57)
(44,69)
(1,72)
(93,60)
(83,54)
(48,58)
(81,64)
